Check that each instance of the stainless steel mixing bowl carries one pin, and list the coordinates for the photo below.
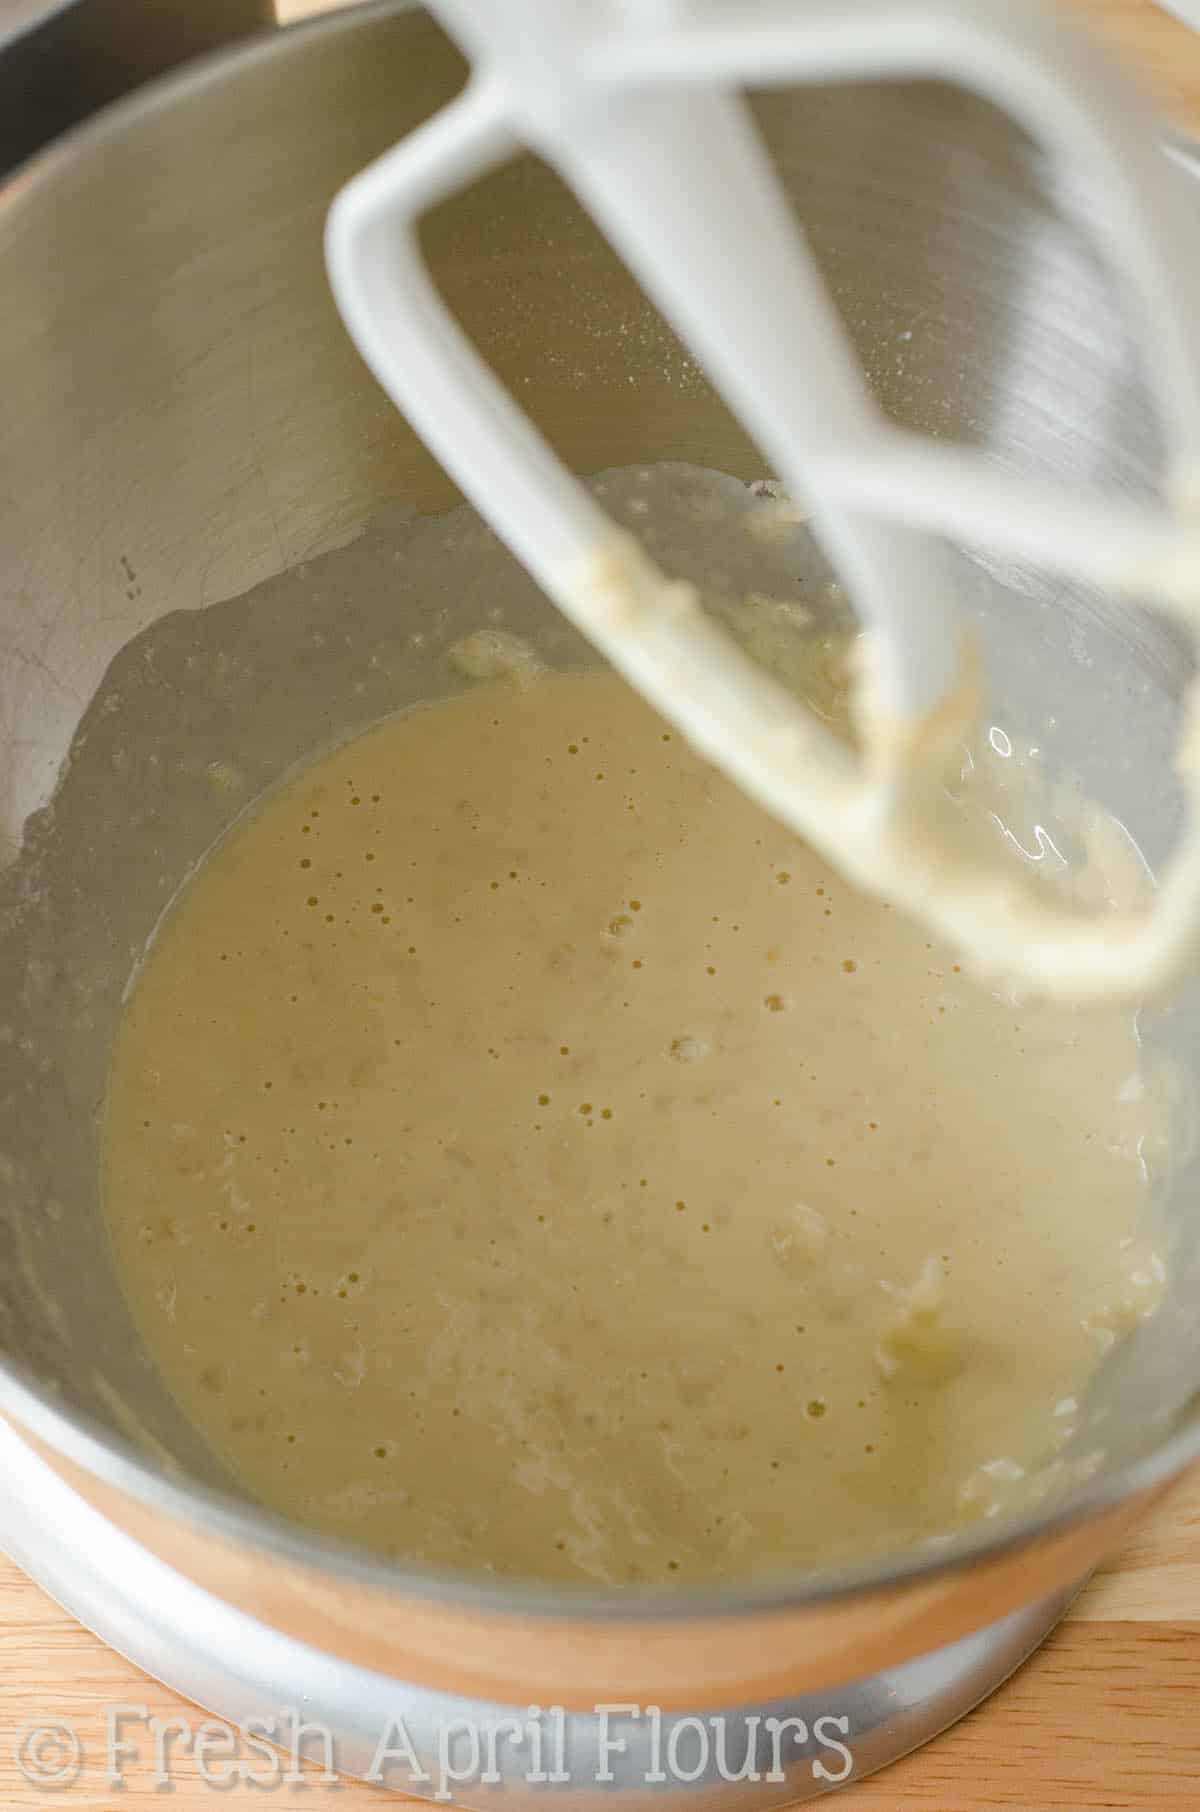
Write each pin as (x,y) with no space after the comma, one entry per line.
(184,418)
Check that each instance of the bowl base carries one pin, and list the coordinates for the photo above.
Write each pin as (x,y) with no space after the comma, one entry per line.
(340,1717)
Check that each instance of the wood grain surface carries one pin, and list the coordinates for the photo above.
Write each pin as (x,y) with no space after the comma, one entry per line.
(1105,1716)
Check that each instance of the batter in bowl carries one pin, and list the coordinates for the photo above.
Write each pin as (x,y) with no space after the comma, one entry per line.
(524,1155)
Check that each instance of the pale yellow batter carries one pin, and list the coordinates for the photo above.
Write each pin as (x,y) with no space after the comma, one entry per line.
(522,1154)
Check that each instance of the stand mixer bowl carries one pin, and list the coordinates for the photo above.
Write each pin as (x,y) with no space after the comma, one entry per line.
(186,419)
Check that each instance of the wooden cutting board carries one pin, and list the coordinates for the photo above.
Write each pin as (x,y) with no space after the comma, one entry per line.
(1106,1715)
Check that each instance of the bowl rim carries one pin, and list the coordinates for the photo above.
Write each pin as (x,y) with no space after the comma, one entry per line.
(23,17)
(115,1461)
